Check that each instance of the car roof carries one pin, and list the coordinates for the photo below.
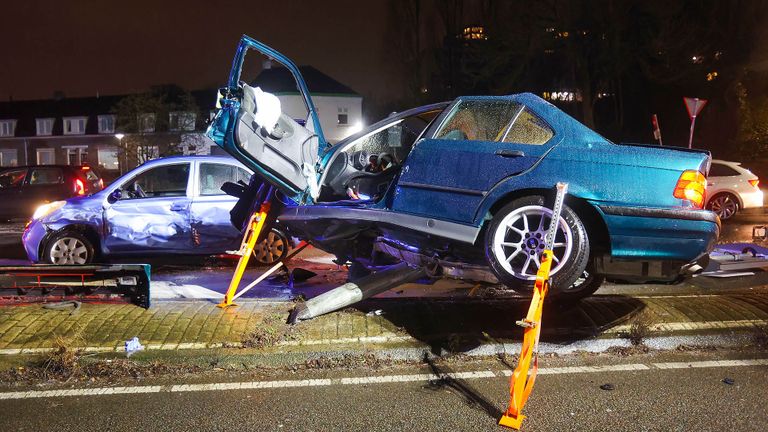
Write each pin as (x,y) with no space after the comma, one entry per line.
(725,162)
(201,158)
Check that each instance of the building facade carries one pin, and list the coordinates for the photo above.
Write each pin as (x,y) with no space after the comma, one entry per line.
(87,131)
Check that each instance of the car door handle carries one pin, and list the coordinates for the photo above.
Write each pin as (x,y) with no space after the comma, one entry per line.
(510,153)
(178,207)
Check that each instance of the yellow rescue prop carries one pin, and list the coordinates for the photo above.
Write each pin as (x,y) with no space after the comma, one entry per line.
(524,376)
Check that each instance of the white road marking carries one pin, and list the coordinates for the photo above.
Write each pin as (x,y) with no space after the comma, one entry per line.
(427,377)
(711,364)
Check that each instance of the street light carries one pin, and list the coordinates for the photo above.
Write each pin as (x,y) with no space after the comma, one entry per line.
(120,137)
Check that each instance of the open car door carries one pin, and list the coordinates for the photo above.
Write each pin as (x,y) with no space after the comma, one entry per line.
(284,154)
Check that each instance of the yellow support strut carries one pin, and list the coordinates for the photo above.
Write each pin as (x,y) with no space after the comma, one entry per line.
(255,224)
(521,382)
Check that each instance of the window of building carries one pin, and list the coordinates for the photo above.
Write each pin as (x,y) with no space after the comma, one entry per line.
(46,156)
(74,125)
(147,122)
(7,128)
(77,155)
(162,181)
(181,120)
(108,158)
(44,126)
(106,124)
(145,153)
(343,117)
(9,157)
(46,176)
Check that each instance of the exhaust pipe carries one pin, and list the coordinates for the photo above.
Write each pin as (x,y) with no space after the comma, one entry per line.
(353,292)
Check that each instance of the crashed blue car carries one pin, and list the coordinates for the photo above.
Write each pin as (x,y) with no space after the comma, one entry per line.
(170,206)
(465,188)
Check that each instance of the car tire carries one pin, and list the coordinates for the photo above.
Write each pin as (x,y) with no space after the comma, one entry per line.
(68,248)
(515,239)
(725,205)
(272,249)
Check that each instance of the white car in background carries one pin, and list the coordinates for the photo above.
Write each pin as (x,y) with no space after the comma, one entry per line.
(732,188)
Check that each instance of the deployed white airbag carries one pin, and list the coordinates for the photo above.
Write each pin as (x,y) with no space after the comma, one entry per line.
(267,109)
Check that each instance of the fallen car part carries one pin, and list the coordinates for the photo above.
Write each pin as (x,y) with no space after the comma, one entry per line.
(47,283)
(353,292)
(521,383)
(722,260)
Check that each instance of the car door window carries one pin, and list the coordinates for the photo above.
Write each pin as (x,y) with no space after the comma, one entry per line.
(45,176)
(479,120)
(213,176)
(12,179)
(527,128)
(162,181)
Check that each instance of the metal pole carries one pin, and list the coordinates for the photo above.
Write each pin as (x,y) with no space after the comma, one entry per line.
(690,138)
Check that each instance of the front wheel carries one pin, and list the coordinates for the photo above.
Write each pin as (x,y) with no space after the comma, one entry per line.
(69,247)
(515,239)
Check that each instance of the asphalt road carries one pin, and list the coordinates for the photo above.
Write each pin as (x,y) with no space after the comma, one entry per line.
(670,399)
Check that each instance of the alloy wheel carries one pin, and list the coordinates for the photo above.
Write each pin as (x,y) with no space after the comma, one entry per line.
(519,241)
(271,249)
(68,250)
(724,206)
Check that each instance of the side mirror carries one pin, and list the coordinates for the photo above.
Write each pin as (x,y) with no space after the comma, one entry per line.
(115,196)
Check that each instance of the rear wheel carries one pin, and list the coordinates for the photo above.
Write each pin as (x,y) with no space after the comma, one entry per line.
(69,247)
(724,205)
(515,239)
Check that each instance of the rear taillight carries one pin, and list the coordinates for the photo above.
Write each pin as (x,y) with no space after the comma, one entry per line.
(754,182)
(691,186)
(79,187)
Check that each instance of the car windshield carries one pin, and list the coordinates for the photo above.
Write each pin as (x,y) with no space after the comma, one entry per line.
(479,120)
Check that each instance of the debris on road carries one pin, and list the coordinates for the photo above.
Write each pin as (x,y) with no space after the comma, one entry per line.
(607,387)
(133,346)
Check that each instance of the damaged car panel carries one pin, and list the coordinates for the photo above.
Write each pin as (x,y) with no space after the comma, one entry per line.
(166,206)
(469,194)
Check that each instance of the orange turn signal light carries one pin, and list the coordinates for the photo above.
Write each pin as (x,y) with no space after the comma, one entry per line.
(691,186)
(754,182)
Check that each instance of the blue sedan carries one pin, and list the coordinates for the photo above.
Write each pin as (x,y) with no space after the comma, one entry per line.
(166,206)
(465,188)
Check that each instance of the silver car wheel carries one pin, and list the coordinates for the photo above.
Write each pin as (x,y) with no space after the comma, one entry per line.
(271,249)
(519,241)
(724,206)
(68,250)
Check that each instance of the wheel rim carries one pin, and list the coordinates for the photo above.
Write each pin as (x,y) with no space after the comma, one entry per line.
(519,241)
(69,250)
(271,249)
(724,206)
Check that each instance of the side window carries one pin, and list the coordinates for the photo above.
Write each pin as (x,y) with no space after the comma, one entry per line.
(213,175)
(528,129)
(243,175)
(12,178)
(720,170)
(395,140)
(45,176)
(162,181)
(478,120)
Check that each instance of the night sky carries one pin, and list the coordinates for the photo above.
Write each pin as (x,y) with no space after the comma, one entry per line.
(87,47)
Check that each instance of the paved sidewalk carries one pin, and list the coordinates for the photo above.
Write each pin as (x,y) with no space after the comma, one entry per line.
(453,325)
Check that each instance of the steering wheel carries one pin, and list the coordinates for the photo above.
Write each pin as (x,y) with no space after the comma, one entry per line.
(138,192)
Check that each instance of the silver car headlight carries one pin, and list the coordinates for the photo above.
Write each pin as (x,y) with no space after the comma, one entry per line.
(46,209)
